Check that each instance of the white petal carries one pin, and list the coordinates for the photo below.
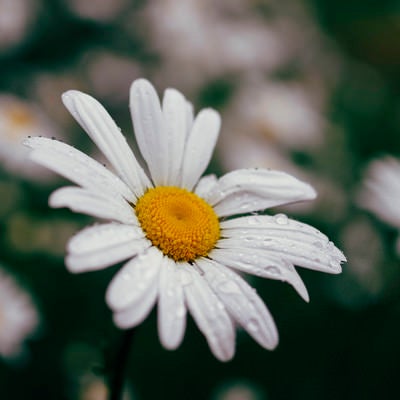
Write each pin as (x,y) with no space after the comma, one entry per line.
(150,129)
(205,185)
(242,302)
(209,313)
(189,117)
(261,263)
(134,279)
(137,312)
(171,306)
(247,190)
(280,225)
(101,128)
(94,204)
(200,146)
(103,245)
(174,110)
(76,166)
(285,239)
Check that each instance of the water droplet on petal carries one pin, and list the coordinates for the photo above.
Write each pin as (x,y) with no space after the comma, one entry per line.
(273,270)
(229,287)
(254,220)
(281,219)
(334,264)
(252,325)
(126,276)
(180,312)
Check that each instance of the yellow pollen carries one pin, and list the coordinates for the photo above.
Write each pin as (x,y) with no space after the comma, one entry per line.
(181,224)
(20,116)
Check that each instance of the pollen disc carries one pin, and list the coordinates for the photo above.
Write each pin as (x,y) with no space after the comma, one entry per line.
(181,224)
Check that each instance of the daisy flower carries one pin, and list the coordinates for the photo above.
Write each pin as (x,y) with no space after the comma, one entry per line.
(380,193)
(19,119)
(18,317)
(177,229)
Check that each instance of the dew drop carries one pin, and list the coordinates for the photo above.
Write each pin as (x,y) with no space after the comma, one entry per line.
(180,312)
(252,326)
(254,220)
(229,287)
(126,276)
(281,219)
(273,270)
(186,278)
(319,245)
(334,264)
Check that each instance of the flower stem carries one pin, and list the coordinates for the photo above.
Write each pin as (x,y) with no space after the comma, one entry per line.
(121,361)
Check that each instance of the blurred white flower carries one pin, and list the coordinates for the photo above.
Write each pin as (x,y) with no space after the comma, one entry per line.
(47,86)
(16,17)
(173,227)
(19,318)
(98,10)
(92,387)
(245,142)
(380,193)
(366,260)
(109,74)
(281,113)
(18,120)
(29,235)
(210,39)
(239,390)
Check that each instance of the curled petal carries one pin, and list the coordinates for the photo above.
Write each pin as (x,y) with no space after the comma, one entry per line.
(247,190)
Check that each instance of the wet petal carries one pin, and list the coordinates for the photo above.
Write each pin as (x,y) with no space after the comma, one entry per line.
(285,239)
(205,185)
(247,190)
(174,110)
(134,279)
(76,166)
(171,306)
(101,128)
(94,204)
(200,146)
(209,313)
(100,246)
(242,302)
(261,263)
(150,129)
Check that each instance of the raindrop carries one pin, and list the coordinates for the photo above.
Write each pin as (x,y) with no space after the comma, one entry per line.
(281,219)
(334,264)
(254,220)
(186,278)
(180,311)
(252,325)
(273,270)
(229,287)
(126,276)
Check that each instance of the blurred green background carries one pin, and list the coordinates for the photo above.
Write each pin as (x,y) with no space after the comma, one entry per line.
(309,87)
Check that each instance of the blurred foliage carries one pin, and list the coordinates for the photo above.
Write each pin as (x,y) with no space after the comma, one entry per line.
(343,345)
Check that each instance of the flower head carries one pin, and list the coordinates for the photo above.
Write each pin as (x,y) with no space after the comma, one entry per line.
(178,231)
(380,192)
(18,317)
(19,119)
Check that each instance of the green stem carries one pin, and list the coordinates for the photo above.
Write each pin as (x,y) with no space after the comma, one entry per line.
(121,361)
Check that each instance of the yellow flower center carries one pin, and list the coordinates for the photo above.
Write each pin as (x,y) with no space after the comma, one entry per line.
(181,224)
